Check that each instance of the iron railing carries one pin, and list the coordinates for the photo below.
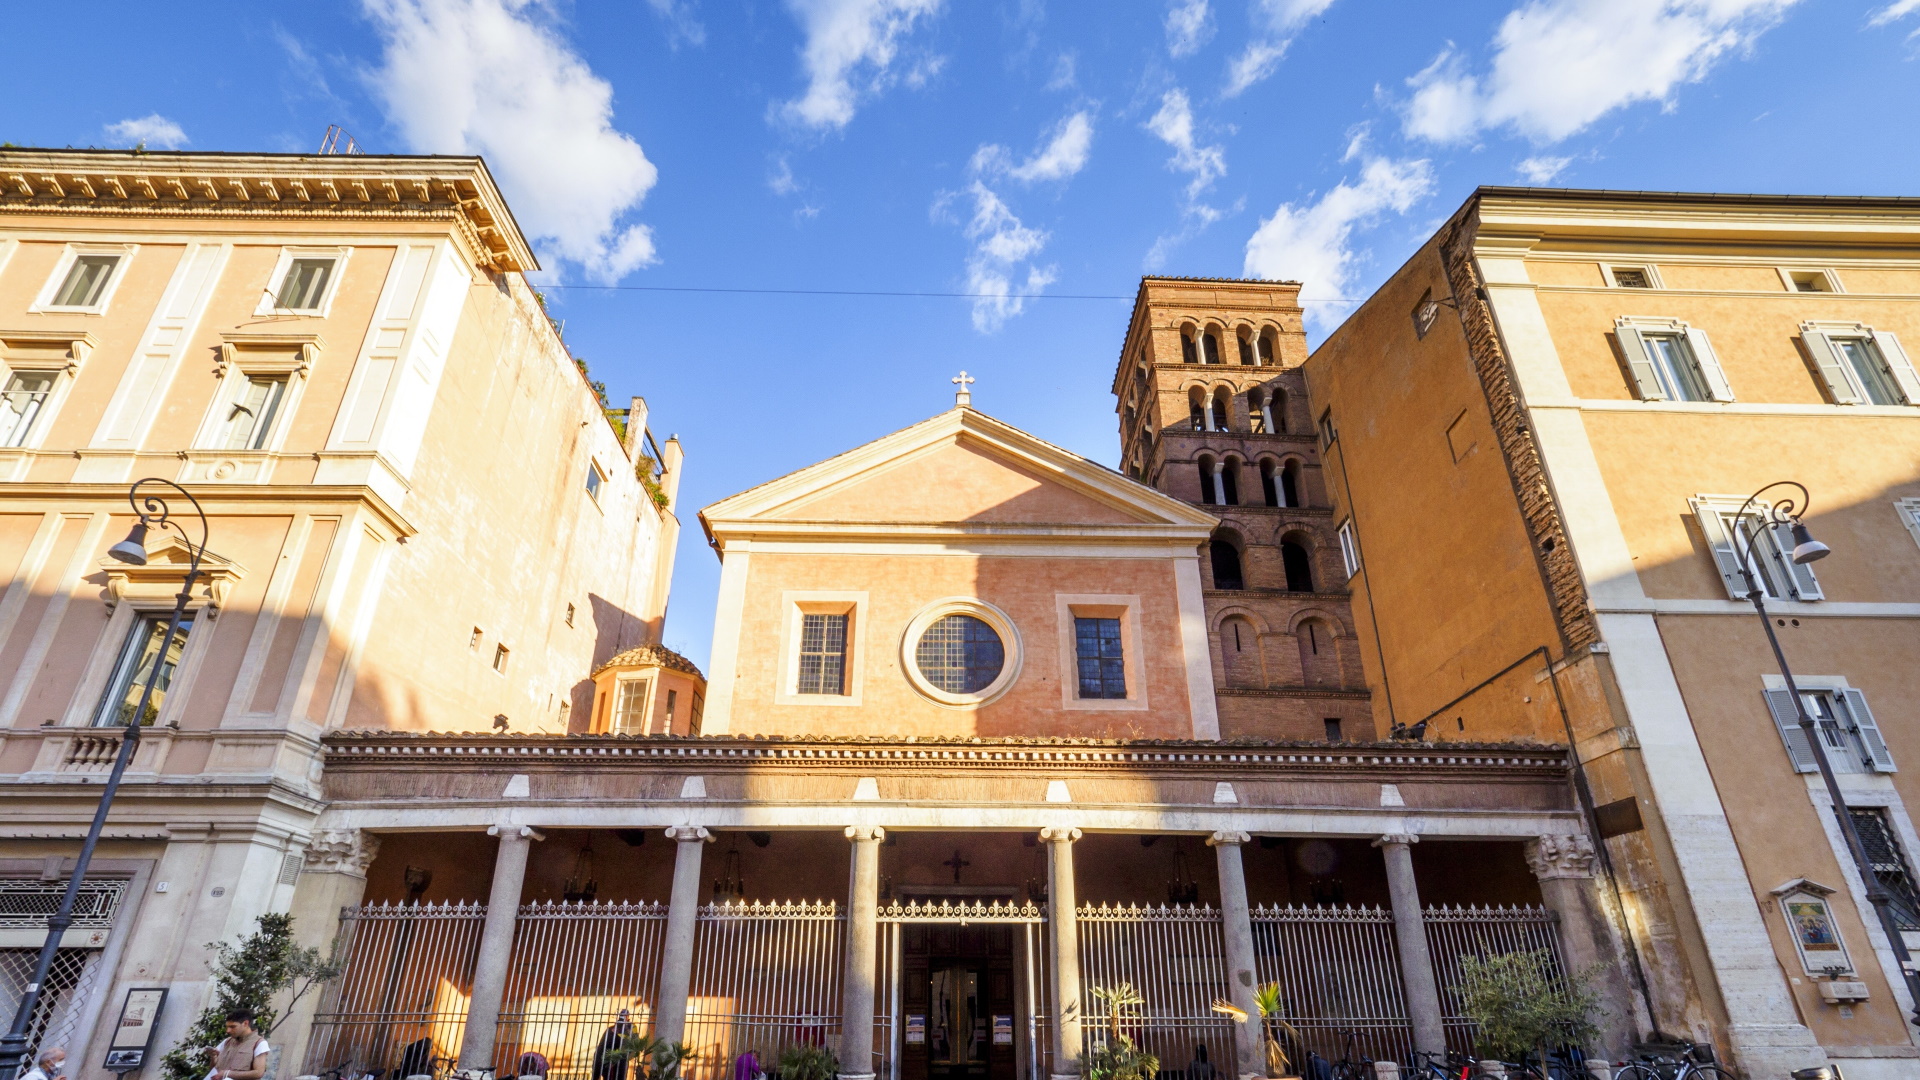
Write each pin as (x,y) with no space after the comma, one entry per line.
(766,976)
(1338,969)
(402,999)
(1175,958)
(575,968)
(1454,932)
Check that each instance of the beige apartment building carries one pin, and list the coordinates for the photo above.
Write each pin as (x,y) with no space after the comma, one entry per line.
(420,517)
(1543,428)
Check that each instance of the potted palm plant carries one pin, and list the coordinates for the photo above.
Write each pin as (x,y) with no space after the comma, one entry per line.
(1118,1058)
(1267,1000)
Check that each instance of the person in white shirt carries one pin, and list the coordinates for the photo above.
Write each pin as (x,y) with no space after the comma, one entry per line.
(242,1055)
(47,1065)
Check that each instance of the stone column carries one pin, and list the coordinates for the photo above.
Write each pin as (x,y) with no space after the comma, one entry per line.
(683,912)
(1236,924)
(333,879)
(856,996)
(1564,867)
(1410,933)
(496,943)
(1064,935)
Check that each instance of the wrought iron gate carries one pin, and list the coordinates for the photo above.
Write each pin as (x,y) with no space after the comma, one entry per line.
(574,968)
(766,976)
(25,905)
(406,987)
(1338,969)
(1175,956)
(1033,1054)
(1454,932)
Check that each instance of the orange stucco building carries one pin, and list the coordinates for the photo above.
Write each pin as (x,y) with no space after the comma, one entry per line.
(1545,426)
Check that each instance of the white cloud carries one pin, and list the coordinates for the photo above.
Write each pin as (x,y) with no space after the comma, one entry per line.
(1541,169)
(1560,65)
(849,42)
(480,76)
(682,24)
(1313,244)
(1000,245)
(1189,25)
(149,130)
(781,181)
(1064,155)
(1065,72)
(1173,124)
(1275,23)
(1899,9)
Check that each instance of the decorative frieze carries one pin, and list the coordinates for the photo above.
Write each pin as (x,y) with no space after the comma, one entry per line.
(342,851)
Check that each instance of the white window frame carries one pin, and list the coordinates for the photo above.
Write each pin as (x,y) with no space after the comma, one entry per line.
(1866,751)
(1349,548)
(625,683)
(1122,606)
(270,298)
(795,605)
(1653,380)
(1652,272)
(63,265)
(591,487)
(242,361)
(1712,513)
(1827,276)
(37,353)
(1002,625)
(90,703)
(1846,389)
(1909,511)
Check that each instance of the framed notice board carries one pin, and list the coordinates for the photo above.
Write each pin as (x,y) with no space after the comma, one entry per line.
(133,1034)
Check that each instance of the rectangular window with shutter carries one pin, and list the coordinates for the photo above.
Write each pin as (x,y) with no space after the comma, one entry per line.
(1859,365)
(1843,723)
(1671,361)
(1888,858)
(1909,511)
(1735,538)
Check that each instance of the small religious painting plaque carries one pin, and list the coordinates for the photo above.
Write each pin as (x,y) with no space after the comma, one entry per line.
(1810,919)
(1002,1030)
(916,1029)
(133,1035)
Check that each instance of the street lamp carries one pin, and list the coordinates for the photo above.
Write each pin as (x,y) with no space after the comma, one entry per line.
(153,513)
(1787,512)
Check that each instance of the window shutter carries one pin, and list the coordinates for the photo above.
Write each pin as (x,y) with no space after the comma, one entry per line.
(1828,362)
(1645,380)
(1721,544)
(1898,363)
(1869,731)
(1787,719)
(1800,577)
(1709,362)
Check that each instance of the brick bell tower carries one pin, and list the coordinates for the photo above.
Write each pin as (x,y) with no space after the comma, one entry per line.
(1214,410)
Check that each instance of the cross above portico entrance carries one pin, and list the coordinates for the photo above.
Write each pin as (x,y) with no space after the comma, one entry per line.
(958,865)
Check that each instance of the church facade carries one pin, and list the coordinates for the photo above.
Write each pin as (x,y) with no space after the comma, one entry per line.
(963,769)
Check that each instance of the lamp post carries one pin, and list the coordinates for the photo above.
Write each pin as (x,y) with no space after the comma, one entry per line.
(153,513)
(1787,512)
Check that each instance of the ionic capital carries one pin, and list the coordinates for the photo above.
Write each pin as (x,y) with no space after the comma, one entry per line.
(1396,838)
(1060,834)
(1553,858)
(342,851)
(515,832)
(689,834)
(865,834)
(1228,836)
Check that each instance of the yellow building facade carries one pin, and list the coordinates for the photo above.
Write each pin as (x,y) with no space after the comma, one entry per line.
(1545,425)
(419,517)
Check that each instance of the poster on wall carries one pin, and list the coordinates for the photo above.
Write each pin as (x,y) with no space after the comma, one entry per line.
(133,1035)
(1002,1030)
(917,1029)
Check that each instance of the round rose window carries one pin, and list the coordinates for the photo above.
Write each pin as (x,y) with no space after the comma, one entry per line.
(960,654)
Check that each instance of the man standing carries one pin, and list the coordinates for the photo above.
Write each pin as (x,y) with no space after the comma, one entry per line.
(242,1055)
(47,1065)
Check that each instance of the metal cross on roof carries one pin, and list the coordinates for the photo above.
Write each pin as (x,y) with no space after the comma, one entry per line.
(963,396)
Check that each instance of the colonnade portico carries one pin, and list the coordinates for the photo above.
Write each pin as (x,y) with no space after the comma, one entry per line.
(1277,872)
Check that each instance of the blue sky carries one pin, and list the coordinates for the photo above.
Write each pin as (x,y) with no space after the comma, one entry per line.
(1001,147)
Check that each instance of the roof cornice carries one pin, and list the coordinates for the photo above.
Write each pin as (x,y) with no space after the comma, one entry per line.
(711,753)
(458,190)
(1579,215)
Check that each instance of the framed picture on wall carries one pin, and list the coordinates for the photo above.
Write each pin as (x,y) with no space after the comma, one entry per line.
(1809,918)
(133,1033)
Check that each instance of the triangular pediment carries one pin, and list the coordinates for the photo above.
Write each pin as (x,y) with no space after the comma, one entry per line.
(959,469)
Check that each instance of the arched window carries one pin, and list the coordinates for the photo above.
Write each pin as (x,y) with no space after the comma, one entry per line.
(1267,350)
(1275,411)
(1256,412)
(1197,409)
(1186,347)
(1220,411)
(1240,648)
(1208,481)
(1211,344)
(1245,341)
(1226,565)
(1269,485)
(1319,662)
(1299,568)
(1230,482)
(1290,485)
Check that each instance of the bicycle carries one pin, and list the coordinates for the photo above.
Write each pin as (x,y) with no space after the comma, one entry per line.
(1349,1068)
(1428,1065)
(1693,1062)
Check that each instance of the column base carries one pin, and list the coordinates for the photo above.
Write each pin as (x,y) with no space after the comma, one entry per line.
(1064,1076)
(855,1076)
